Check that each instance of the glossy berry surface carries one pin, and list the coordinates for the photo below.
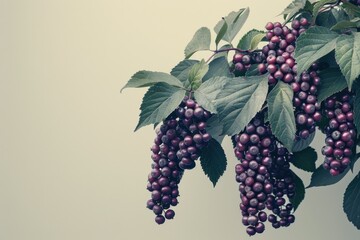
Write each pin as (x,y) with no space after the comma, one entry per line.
(340,132)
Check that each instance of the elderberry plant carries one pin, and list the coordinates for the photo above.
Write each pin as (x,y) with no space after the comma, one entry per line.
(269,93)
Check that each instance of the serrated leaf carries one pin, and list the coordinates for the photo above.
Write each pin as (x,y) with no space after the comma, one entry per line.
(354,159)
(235,21)
(322,177)
(351,201)
(309,6)
(266,117)
(305,159)
(239,101)
(218,67)
(324,122)
(251,40)
(148,78)
(214,127)
(330,18)
(351,9)
(347,55)
(159,101)
(200,41)
(207,92)
(196,73)
(319,5)
(357,108)
(181,70)
(354,23)
(299,192)
(213,161)
(281,114)
(332,81)
(301,144)
(221,33)
(293,8)
(313,44)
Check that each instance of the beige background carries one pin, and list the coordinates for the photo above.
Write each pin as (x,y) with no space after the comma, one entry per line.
(71,166)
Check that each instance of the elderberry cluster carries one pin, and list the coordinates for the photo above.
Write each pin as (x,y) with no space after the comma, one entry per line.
(340,132)
(264,177)
(192,125)
(243,61)
(283,185)
(307,109)
(177,145)
(280,63)
(165,174)
(279,52)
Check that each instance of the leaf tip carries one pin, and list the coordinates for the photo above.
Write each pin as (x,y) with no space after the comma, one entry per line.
(214,183)
(123,88)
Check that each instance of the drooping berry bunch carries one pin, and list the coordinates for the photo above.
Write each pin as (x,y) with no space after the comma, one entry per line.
(165,174)
(307,109)
(282,180)
(264,177)
(280,63)
(253,148)
(243,61)
(192,122)
(340,132)
(177,145)
(279,52)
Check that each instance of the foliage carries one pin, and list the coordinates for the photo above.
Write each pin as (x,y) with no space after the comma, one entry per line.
(332,41)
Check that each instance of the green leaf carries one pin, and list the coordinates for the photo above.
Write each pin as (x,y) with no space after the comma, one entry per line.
(351,9)
(309,6)
(252,71)
(354,23)
(354,159)
(159,101)
(301,144)
(357,108)
(214,127)
(299,192)
(330,18)
(196,73)
(351,201)
(313,44)
(218,67)
(293,8)
(200,41)
(332,81)
(181,70)
(251,40)
(239,101)
(147,78)
(213,161)
(324,122)
(207,92)
(235,21)
(221,33)
(347,55)
(319,5)
(305,159)
(322,177)
(281,114)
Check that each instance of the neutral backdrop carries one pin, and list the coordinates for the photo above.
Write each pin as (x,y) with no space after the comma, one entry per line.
(71,166)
